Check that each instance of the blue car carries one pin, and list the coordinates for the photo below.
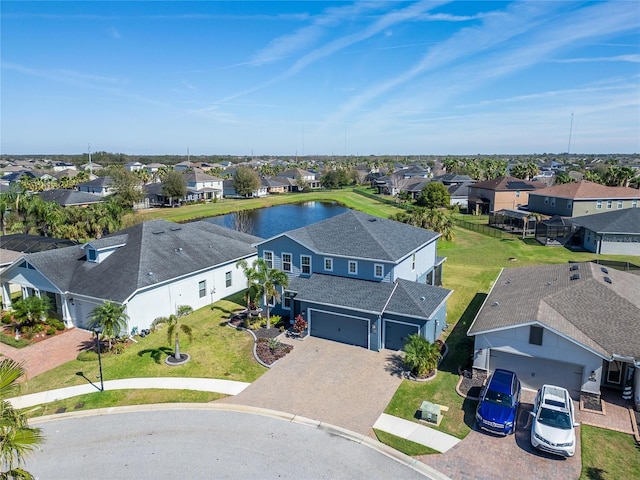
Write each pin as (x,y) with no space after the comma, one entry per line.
(499,402)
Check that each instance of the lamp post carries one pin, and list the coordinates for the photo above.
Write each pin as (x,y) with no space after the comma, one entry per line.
(99,359)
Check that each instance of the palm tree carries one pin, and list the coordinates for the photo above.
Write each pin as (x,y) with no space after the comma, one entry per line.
(421,356)
(174,328)
(31,308)
(111,319)
(17,439)
(264,281)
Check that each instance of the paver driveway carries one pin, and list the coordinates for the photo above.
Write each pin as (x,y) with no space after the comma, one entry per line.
(328,381)
(483,456)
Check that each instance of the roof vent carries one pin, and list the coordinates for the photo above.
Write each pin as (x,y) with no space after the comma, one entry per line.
(150,273)
(422,299)
(175,229)
(604,270)
(574,268)
(495,304)
(157,232)
(179,249)
(575,276)
(372,219)
(607,279)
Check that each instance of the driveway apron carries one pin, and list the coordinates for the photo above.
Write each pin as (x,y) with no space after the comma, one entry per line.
(328,381)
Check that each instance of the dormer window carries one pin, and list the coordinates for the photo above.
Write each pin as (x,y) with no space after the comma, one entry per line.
(92,255)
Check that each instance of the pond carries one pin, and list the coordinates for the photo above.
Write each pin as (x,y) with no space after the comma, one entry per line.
(272,221)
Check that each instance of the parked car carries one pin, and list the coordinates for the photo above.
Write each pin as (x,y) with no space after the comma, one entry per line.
(499,401)
(552,428)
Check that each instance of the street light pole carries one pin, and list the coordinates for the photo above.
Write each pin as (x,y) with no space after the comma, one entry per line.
(99,360)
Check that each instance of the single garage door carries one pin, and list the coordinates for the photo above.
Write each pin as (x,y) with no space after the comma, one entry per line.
(535,372)
(339,328)
(396,333)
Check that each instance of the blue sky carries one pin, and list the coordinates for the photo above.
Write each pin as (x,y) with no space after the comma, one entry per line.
(333,78)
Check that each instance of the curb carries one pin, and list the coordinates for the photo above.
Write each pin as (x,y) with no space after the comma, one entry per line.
(379,447)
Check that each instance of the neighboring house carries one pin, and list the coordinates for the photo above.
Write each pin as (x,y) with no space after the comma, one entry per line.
(572,325)
(68,198)
(295,174)
(101,186)
(152,268)
(582,198)
(500,193)
(152,168)
(202,186)
(361,280)
(91,167)
(182,166)
(409,179)
(274,185)
(133,166)
(616,232)
(60,166)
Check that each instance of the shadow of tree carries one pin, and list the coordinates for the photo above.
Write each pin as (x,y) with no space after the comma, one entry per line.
(395,365)
(593,473)
(157,354)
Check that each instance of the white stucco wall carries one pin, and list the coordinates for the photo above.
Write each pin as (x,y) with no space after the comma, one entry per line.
(554,347)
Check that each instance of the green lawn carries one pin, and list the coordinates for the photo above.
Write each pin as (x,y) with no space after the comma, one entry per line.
(217,351)
(608,455)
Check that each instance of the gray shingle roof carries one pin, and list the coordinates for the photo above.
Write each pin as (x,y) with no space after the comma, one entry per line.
(602,316)
(358,235)
(153,252)
(405,299)
(619,221)
(65,197)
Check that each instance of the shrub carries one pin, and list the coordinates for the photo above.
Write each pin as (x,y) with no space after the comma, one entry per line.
(118,348)
(87,356)
(421,356)
(276,321)
(7,318)
(11,341)
(57,324)
(274,344)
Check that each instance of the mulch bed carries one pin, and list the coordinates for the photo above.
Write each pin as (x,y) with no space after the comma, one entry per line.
(472,382)
(591,402)
(267,355)
(10,331)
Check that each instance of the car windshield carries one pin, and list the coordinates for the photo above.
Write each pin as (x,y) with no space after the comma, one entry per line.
(554,418)
(499,398)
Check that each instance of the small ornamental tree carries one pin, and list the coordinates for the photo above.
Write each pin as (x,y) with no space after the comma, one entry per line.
(299,324)
(421,356)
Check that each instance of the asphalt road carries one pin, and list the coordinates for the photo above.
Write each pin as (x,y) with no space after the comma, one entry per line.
(202,444)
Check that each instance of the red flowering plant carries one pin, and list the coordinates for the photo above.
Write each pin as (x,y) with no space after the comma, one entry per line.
(300,324)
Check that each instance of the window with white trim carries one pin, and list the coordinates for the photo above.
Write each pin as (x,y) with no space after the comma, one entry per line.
(286,262)
(619,203)
(546,200)
(227,279)
(609,204)
(267,256)
(202,288)
(353,267)
(599,205)
(305,264)
(517,193)
(286,302)
(328,264)
(634,204)
(378,270)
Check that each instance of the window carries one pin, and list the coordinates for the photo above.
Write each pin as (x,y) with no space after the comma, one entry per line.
(328,264)
(634,204)
(546,200)
(535,335)
(305,264)
(286,262)
(267,256)
(599,205)
(619,203)
(202,288)
(609,204)
(286,303)
(553,202)
(353,267)
(378,270)
(413,262)
(569,204)
(517,193)
(227,279)
(92,255)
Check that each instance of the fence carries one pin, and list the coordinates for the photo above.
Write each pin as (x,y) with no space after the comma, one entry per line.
(484,229)
(381,198)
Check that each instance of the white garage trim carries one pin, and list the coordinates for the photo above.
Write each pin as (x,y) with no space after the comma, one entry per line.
(335,314)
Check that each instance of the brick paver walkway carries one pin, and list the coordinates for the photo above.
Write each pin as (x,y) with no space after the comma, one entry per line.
(47,354)
(327,381)
(616,415)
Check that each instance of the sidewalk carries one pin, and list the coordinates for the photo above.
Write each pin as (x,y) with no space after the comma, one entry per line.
(227,387)
(415,432)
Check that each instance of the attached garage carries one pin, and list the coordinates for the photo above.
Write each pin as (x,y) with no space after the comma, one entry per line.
(396,333)
(339,328)
(535,372)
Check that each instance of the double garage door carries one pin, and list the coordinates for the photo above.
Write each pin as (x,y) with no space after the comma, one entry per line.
(535,372)
(339,328)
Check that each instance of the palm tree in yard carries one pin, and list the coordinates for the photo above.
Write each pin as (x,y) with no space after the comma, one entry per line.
(17,439)
(173,328)
(421,356)
(111,319)
(265,281)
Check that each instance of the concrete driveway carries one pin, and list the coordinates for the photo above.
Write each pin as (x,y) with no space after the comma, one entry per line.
(482,455)
(328,381)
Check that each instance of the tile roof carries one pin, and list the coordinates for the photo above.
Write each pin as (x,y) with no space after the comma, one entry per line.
(358,235)
(585,190)
(619,221)
(508,184)
(151,252)
(602,316)
(404,297)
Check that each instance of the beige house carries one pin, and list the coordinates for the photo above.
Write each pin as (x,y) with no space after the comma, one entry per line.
(582,198)
(502,193)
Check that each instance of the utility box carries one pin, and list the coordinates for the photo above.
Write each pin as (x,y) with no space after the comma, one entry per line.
(430,412)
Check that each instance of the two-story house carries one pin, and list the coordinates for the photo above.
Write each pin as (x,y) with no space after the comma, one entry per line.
(294,175)
(502,193)
(582,198)
(202,186)
(101,186)
(361,280)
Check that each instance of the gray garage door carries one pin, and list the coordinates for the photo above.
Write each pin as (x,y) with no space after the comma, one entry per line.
(535,372)
(339,328)
(395,334)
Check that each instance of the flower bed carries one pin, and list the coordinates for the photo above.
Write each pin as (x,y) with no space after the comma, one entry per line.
(268,352)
